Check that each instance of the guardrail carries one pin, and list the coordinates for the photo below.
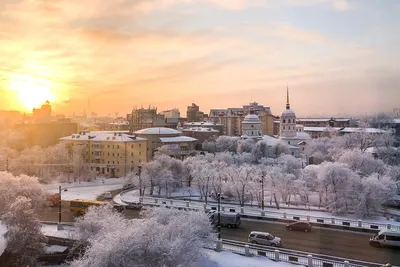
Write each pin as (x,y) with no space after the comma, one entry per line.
(253,213)
(290,256)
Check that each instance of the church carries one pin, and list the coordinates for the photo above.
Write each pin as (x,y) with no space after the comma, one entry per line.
(291,133)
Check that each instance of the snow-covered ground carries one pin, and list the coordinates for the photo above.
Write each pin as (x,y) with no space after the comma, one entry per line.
(86,190)
(3,230)
(55,249)
(51,230)
(229,259)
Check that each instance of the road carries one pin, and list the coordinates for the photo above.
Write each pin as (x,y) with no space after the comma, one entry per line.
(338,243)
(321,241)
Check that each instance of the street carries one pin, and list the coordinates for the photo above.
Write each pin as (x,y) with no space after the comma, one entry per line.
(321,240)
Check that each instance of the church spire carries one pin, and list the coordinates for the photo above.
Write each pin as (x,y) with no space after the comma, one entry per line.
(287,98)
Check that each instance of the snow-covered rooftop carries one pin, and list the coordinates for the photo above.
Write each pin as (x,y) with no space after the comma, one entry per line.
(199,129)
(321,129)
(272,141)
(103,137)
(323,119)
(177,139)
(120,123)
(201,123)
(158,130)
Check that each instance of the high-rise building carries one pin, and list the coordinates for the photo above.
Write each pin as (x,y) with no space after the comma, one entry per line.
(172,113)
(194,114)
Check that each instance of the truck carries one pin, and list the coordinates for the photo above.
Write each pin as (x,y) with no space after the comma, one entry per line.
(228,219)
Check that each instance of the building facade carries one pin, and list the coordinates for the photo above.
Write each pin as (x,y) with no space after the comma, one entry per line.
(172,113)
(193,113)
(201,134)
(42,114)
(232,118)
(147,118)
(111,154)
(160,136)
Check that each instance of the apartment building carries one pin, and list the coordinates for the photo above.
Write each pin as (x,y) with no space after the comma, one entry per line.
(193,113)
(144,118)
(111,154)
(232,118)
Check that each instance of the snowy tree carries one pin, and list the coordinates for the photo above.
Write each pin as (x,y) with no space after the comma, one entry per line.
(13,186)
(280,148)
(158,240)
(241,178)
(376,190)
(209,146)
(309,177)
(260,151)
(364,163)
(341,186)
(290,164)
(245,145)
(226,143)
(24,234)
(318,149)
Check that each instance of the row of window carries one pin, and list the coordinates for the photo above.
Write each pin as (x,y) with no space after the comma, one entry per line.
(98,153)
(110,162)
(289,121)
(111,146)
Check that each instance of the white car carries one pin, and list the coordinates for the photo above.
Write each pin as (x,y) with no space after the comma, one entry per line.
(264,238)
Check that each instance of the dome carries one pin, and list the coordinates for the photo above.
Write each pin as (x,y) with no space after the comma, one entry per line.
(158,130)
(288,113)
(251,118)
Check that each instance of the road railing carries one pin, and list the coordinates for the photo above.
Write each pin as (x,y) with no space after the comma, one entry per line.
(290,256)
(268,215)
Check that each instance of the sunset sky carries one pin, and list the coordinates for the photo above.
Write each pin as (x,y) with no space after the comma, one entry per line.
(337,56)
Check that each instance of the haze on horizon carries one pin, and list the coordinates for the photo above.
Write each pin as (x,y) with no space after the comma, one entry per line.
(338,56)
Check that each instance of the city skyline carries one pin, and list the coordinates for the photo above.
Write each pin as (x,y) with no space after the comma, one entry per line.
(337,56)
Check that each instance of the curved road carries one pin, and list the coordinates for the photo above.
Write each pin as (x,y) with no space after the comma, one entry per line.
(326,241)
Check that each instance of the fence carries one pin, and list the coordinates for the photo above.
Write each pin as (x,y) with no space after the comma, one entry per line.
(255,213)
(290,256)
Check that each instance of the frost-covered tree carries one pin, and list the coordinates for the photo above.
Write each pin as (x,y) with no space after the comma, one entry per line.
(376,189)
(240,178)
(12,187)
(260,151)
(24,234)
(290,164)
(245,145)
(318,149)
(341,185)
(209,146)
(158,240)
(361,162)
(226,143)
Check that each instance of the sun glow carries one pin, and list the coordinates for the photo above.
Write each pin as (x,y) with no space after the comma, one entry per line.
(31,91)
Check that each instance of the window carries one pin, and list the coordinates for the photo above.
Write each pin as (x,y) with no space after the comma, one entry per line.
(113,146)
(108,146)
(132,154)
(117,146)
(284,121)
(252,126)
(108,154)
(113,154)
(288,120)
(118,154)
(140,145)
(132,146)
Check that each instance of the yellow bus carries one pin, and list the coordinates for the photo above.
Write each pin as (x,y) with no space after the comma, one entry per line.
(79,206)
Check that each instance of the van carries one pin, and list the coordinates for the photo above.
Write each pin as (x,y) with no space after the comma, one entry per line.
(264,238)
(386,238)
(227,219)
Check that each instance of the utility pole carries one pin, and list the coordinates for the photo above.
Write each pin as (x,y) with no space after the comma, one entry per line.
(262,192)
(7,164)
(140,180)
(219,216)
(59,204)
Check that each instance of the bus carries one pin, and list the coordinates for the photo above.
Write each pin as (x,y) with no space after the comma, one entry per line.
(79,206)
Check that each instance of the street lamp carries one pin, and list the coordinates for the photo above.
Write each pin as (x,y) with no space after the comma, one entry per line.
(140,180)
(219,216)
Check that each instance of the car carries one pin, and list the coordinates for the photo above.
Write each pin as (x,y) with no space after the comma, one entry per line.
(107,195)
(264,238)
(299,226)
(118,207)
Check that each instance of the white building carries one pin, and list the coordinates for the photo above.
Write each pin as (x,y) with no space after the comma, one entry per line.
(252,127)
(291,132)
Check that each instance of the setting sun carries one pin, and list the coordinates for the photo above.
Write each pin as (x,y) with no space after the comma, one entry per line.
(31,92)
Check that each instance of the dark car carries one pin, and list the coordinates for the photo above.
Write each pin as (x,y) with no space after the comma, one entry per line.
(299,226)
(134,206)
(118,208)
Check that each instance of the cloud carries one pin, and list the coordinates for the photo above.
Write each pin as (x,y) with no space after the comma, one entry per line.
(339,5)
(297,34)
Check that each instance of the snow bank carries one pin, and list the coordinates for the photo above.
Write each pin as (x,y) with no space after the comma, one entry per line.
(86,190)
(229,259)
(55,249)
(51,230)
(3,244)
